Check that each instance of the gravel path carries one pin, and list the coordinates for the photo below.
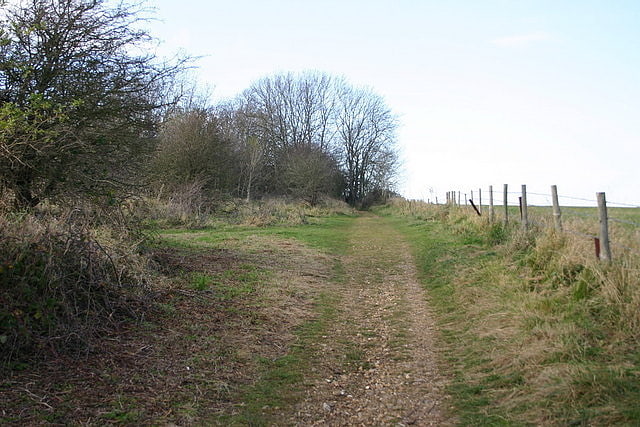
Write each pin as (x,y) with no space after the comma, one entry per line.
(379,366)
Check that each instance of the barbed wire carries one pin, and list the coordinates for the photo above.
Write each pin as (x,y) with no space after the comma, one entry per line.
(580,214)
(543,220)
(627,248)
(629,205)
(582,199)
(549,196)
(560,196)
(624,221)
(565,230)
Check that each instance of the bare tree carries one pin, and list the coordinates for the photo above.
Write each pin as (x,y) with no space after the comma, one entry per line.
(293,115)
(311,173)
(245,136)
(290,110)
(192,148)
(253,154)
(366,129)
(79,96)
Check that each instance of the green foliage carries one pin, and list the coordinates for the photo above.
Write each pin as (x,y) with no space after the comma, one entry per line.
(497,233)
(77,106)
(232,284)
(121,416)
(200,281)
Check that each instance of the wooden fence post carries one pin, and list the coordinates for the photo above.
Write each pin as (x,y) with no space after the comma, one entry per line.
(605,255)
(525,215)
(475,208)
(506,207)
(480,199)
(458,198)
(557,219)
(492,213)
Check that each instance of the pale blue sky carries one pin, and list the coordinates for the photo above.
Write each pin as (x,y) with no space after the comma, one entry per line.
(488,92)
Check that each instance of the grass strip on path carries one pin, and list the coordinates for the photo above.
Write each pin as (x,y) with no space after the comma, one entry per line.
(281,380)
(377,365)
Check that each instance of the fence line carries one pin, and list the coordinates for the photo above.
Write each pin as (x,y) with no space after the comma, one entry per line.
(602,241)
(624,221)
(569,211)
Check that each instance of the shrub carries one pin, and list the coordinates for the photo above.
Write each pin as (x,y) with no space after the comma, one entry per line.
(63,283)
(191,210)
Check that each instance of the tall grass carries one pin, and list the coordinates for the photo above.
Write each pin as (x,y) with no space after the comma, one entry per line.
(192,210)
(541,331)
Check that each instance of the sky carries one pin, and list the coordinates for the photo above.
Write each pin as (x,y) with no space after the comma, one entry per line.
(488,92)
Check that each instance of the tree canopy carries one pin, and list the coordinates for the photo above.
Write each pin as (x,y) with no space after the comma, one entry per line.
(81,114)
(78,96)
(352,125)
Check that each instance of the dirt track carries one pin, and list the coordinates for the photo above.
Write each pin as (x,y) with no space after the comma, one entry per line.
(374,365)
(384,336)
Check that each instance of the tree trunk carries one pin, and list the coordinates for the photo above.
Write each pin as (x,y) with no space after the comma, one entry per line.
(249,186)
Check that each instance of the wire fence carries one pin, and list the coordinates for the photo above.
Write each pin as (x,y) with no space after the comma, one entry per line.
(605,223)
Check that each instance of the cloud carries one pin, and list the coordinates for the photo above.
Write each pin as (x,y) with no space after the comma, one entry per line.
(519,40)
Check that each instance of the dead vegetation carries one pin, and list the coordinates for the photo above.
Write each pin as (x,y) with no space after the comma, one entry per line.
(540,331)
(65,281)
(100,324)
(191,208)
(221,312)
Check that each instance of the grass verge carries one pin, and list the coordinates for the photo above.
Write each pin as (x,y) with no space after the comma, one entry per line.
(531,333)
(281,380)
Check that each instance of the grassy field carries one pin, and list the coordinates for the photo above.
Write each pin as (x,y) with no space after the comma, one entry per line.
(545,213)
(532,329)
(279,379)
(225,343)
(624,223)
(535,332)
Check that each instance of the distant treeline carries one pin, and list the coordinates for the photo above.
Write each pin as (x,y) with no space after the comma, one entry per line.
(307,134)
(86,112)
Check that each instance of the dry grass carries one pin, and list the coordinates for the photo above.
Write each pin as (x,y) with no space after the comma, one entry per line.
(203,345)
(550,333)
(65,280)
(190,209)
